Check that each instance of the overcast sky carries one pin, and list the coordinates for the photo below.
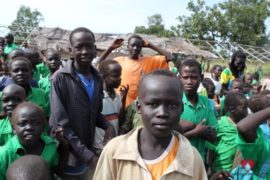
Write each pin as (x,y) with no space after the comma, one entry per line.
(101,16)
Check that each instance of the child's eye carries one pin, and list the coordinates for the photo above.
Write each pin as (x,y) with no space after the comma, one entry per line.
(172,105)
(153,105)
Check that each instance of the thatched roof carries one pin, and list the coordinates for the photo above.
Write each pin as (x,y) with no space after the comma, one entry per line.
(57,38)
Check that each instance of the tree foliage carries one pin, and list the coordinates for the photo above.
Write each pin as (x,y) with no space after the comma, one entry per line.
(241,21)
(25,22)
(155,26)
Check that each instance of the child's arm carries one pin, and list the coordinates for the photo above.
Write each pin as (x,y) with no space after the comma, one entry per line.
(116,44)
(161,51)
(197,131)
(247,126)
(123,95)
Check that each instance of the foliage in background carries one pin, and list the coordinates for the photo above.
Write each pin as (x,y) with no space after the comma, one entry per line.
(25,22)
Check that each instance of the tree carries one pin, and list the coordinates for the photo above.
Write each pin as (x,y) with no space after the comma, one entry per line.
(241,21)
(25,22)
(155,26)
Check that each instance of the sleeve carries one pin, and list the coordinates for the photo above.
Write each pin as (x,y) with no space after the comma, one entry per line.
(130,112)
(199,169)
(3,163)
(59,118)
(258,151)
(211,118)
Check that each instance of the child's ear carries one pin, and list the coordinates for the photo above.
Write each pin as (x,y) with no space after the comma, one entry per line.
(138,105)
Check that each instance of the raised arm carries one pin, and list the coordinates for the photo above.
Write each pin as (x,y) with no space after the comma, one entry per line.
(116,44)
(247,126)
(158,49)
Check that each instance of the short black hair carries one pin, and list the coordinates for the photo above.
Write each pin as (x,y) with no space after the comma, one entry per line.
(103,67)
(29,167)
(80,29)
(9,35)
(17,53)
(232,100)
(20,58)
(136,37)
(190,63)
(238,80)
(160,72)
(32,106)
(258,102)
(53,51)
(215,67)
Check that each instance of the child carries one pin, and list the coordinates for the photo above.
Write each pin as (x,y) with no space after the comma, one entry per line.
(12,96)
(113,104)
(53,62)
(20,71)
(34,57)
(154,151)
(236,69)
(135,64)
(253,145)
(225,149)
(215,77)
(28,122)
(197,108)
(5,78)
(29,167)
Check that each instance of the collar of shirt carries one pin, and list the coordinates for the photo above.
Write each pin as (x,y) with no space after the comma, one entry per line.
(198,105)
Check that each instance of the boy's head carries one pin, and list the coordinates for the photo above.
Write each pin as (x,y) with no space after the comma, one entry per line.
(210,87)
(110,70)
(237,86)
(12,95)
(190,73)
(33,56)
(28,167)
(216,71)
(9,38)
(5,68)
(16,53)
(28,122)
(83,48)
(237,104)
(135,44)
(160,102)
(53,60)
(238,61)
(20,70)
(248,78)
(258,102)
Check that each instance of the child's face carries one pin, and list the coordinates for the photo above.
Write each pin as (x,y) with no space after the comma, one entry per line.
(135,47)
(248,79)
(113,77)
(237,87)
(28,126)
(160,105)
(241,111)
(217,71)
(53,61)
(191,78)
(211,92)
(83,48)
(20,72)
(11,98)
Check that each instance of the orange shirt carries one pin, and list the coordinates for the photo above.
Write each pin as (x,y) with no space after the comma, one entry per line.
(132,70)
(158,166)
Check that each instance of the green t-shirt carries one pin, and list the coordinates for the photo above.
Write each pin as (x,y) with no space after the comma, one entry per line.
(43,69)
(196,114)
(10,152)
(226,148)
(9,48)
(6,132)
(45,85)
(132,118)
(258,151)
(36,75)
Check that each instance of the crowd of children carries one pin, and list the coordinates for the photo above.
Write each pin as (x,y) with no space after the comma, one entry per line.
(129,117)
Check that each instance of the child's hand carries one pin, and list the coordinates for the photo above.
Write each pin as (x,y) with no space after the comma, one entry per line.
(117,43)
(123,93)
(210,135)
(200,129)
(59,135)
(222,175)
(145,43)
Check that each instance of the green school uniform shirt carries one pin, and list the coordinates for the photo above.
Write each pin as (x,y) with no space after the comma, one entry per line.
(43,69)
(6,132)
(36,96)
(226,148)
(258,151)
(9,48)
(196,114)
(45,85)
(36,75)
(10,152)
